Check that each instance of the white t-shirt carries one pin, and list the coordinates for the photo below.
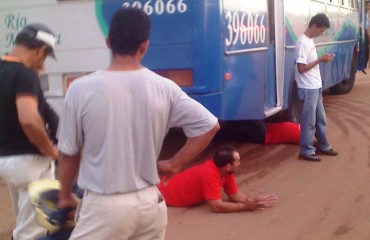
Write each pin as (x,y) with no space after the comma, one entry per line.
(305,53)
(118,120)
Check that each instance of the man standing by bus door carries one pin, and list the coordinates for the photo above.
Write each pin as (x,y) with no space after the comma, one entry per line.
(309,83)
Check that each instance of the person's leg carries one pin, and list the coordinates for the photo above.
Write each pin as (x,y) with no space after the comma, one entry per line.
(26,225)
(13,192)
(137,215)
(309,98)
(322,140)
(153,216)
(20,171)
(105,217)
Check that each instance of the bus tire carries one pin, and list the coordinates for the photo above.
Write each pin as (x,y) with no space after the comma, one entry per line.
(346,85)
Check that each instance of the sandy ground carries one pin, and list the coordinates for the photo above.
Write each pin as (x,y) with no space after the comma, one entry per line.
(329,200)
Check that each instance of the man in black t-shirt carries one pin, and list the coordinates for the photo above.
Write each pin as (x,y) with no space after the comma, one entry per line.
(26,151)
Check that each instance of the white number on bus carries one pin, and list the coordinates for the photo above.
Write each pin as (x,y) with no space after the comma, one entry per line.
(243,28)
(159,7)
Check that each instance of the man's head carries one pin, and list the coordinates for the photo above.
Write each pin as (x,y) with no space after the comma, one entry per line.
(318,24)
(35,36)
(367,5)
(227,158)
(129,29)
(39,41)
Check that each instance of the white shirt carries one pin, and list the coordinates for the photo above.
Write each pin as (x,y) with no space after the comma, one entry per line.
(118,120)
(305,53)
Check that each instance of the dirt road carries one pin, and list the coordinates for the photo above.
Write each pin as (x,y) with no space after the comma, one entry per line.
(329,200)
(318,201)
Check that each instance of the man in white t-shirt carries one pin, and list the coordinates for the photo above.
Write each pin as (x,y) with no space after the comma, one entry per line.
(309,83)
(112,128)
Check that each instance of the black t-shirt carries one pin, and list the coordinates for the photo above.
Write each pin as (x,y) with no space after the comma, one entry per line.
(15,80)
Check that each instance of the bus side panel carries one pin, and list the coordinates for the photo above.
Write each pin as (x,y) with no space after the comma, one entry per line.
(245,61)
(185,35)
(288,77)
(189,40)
(340,39)
(271,81)
(208,54)
(244,93)
(296,22)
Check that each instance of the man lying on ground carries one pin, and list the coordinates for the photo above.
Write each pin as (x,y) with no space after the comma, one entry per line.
(261,131)
(203,183)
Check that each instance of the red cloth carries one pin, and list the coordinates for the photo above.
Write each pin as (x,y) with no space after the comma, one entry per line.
(196,185)
(282,132)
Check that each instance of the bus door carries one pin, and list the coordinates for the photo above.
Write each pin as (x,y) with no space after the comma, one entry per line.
(246,57)
(276,56)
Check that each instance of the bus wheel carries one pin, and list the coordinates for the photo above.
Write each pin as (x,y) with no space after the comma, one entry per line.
(346,85)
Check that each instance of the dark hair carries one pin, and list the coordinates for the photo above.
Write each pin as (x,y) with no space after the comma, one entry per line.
(28,37)
(129,27)
(320,20)
(25,40)
(224,155)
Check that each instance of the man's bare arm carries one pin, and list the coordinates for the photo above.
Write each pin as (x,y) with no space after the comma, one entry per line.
(67,171)
(187,153)
(33,125)
(302,68)
(219,206)
(237,197)
(250,204)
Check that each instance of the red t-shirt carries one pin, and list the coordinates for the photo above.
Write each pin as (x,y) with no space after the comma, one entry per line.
(282,132)
(197,184)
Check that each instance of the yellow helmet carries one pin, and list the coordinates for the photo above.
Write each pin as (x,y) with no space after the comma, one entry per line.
(44,197)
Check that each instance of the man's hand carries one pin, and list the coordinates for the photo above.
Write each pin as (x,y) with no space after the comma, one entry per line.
(262,201)
(68,204)
(191,149)
(167,168)
(67,201)
(327,57)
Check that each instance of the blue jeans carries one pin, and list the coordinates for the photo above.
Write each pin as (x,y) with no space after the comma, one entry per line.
(313,121)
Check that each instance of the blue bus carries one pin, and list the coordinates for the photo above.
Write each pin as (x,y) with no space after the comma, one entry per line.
(236,57)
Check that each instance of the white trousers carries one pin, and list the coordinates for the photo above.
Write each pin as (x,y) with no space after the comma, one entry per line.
(18,171)
(140,215)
